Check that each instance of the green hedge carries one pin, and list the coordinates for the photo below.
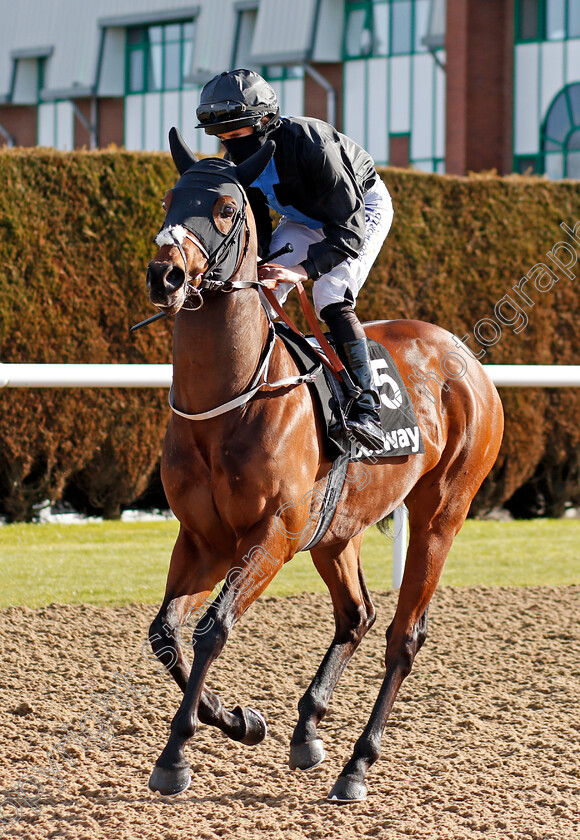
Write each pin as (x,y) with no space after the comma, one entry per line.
(76,234)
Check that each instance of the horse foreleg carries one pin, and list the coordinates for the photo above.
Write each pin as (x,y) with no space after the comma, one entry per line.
(171,774)
(164,637)
(190,580)
(428,549)
(354,614)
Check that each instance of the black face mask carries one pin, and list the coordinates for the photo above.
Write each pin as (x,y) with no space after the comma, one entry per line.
(241,148)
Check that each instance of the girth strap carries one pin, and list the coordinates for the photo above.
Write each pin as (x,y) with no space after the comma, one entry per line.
(334,485)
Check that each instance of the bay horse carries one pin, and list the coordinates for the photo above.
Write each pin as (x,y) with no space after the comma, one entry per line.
(241,457)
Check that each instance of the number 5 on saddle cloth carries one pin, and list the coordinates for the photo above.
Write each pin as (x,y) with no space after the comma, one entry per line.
(402,432)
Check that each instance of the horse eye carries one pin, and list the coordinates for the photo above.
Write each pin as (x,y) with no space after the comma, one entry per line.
(228,211)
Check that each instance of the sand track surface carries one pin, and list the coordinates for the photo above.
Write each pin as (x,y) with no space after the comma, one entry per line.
(483,742)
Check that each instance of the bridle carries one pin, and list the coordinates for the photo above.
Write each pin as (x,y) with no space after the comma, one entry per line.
(176,234)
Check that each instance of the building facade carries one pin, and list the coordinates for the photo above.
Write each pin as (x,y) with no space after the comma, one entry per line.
(443,86)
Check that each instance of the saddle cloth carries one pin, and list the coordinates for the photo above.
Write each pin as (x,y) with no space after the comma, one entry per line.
(402,433)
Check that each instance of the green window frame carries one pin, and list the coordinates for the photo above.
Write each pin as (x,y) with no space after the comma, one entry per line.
(379,28)
(547,20)
(40,76)
(158,56)
(528,164)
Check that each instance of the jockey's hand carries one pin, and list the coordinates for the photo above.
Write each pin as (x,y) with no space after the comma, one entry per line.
(272,274)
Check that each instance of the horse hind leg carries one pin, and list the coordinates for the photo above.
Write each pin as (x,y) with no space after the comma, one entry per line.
(354,614)
(438,506)
(428,549)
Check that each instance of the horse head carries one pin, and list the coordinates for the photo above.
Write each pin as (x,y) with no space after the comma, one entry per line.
(206,231)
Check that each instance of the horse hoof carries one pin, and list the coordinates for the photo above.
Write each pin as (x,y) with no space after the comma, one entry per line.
(348,789)
(306,756)
(169,782)
(256,728)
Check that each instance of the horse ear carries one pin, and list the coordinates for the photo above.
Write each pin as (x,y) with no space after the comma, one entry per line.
(182,155)
(248,171)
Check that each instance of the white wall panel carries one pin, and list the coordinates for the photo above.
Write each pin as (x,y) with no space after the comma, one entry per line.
(152,138)
(423,165)
(293,97)
(572,71)
(196,138)
(26,82)
(551,73)
(64,126)
(46,125)
(354,104)
(422,107)
(377,143)
(400,94)
(526,120)
(171,115)
(112,71)
(134,122)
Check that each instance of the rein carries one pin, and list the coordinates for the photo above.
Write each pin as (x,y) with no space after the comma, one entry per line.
(331,361)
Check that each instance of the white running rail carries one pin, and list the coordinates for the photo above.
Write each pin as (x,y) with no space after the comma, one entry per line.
(159,376)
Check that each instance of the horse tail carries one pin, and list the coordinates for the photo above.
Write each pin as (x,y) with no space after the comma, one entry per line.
(385,526)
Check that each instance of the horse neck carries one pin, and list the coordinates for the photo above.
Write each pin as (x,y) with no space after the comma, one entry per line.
(217,349)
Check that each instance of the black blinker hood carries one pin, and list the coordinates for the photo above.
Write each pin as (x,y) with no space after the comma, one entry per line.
(194,196)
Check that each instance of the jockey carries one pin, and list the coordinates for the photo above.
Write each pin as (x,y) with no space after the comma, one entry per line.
(334,208)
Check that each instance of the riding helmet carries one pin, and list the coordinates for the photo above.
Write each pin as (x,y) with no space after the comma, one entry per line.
(234,99)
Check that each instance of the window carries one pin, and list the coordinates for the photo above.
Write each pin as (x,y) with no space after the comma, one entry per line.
(573,21)
(280,72)
(561,135)
(244,37)
(358,32)
(528,21)
(402,23)
(556,19)
(159,56)
(385,27)
(547,20)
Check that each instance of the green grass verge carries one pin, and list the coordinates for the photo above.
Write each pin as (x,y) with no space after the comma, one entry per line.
(121,562)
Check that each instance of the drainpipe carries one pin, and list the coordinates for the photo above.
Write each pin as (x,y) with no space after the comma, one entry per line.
(91,126)
(330,92)
(10,140)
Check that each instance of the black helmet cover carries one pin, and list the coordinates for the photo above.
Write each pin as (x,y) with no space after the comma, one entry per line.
(235,99)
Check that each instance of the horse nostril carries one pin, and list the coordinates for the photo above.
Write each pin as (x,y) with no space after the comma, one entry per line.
(164,278)
(174,279)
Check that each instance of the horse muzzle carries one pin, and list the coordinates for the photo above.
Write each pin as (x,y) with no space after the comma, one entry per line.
(166,285)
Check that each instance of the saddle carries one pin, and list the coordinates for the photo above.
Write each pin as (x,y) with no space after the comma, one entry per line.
(398,421)
(402,433)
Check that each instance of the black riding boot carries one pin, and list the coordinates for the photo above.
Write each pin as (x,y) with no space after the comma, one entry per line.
(363,418)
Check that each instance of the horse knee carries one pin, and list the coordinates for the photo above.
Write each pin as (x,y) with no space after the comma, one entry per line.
(162,638)
(210,636)
(355,624)
(352,625)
